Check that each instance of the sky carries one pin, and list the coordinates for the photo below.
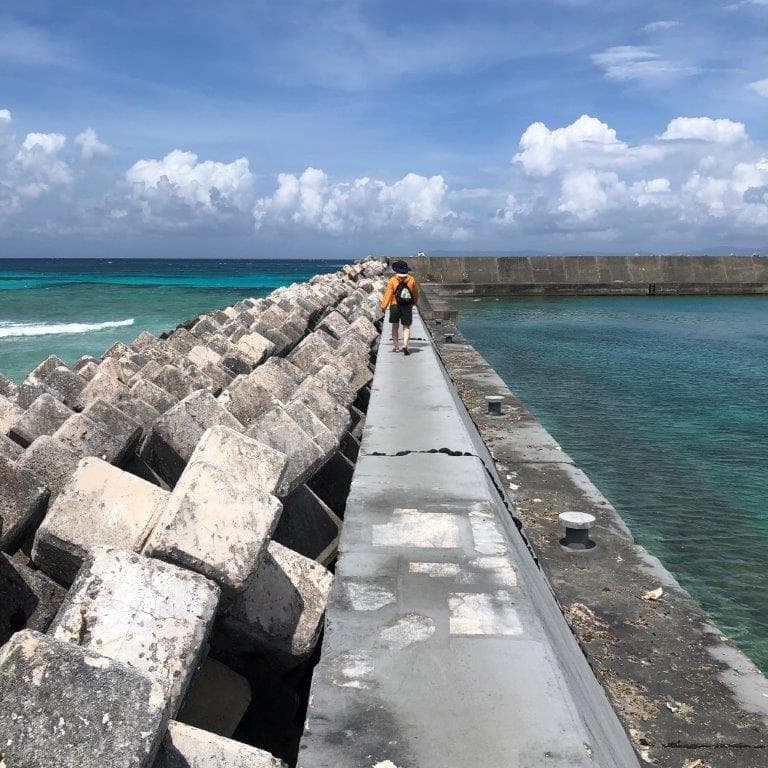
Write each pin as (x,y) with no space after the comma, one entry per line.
(338,129)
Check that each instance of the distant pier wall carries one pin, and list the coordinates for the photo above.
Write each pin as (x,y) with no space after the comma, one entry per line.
(594,275)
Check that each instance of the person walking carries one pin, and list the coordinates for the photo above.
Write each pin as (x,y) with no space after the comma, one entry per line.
(400,295)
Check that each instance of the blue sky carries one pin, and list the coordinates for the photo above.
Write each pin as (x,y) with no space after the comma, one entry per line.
(342,128)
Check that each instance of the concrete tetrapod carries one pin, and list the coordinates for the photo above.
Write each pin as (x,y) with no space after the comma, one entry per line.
(147,614)
(100,505)
(113,717)
(281,611)
(188,747)
(222,513)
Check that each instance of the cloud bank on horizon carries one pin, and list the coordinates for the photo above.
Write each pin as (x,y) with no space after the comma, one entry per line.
(367,127)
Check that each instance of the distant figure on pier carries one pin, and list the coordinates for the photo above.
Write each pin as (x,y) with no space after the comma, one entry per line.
(400,295)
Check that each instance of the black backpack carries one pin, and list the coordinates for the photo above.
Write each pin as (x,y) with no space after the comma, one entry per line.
(403,295)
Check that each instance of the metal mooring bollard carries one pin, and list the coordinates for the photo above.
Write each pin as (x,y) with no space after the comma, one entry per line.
(448,338)
(494,404)
(577,525)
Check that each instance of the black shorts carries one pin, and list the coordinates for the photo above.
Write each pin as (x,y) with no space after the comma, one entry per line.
(401,314)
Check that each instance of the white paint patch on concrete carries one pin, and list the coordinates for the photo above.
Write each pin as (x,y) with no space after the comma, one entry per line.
(411,528)
(483,614)
(436,570)
(406,631)
(385,764)
(488,537)
(368,597)
(354,670)
(497,569)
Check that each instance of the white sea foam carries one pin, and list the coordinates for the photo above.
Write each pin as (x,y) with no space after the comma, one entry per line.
(45,329)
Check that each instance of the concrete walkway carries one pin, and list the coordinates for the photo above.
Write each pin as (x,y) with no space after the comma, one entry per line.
(444,647)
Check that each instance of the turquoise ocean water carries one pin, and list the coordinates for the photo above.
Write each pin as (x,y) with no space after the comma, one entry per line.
(74,307)
(662,402)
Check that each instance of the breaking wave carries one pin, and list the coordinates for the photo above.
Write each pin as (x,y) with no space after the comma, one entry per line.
(45,329)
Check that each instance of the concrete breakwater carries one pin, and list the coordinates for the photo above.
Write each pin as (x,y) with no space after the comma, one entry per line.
(169,514)
(686,695)
(593,275)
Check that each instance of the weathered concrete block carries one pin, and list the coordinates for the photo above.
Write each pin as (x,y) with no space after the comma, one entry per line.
(308,526)
(173,380)
(67,384)
(209,376)
(204,326)
(283,343)
(88,370)
(312,425)
(221,513)
(118,424)
(279,431)
(117,350)
(149,370)
(365,330)
(281,611)
(44,368)
(248,397)
(87,438)
(51,460)
(140,412)
(147,614)
(23,497)
(10,413)
(332,482)
(201,355)
(182,340)
(43,417)
(188,747)
(83,361)
(277,377)
(311,348)
(174,436)
(101,387)
(335,324)
(332,380)
(9,448)
(160,399)
(216,699)
(100,505)
(8,388)
(29,391)
(67,707)
(256,347)
(333,415)
(28,599)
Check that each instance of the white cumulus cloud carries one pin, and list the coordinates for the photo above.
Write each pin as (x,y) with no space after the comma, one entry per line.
(48,143)
(5,116)
(760,87)
(718,131)
(90,145)
(313,201)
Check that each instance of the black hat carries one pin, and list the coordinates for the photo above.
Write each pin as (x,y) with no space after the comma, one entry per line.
(400,267)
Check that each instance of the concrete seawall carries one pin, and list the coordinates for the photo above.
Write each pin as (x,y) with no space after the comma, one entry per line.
(593,275)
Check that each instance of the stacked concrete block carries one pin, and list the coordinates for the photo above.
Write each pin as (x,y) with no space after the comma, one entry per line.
(216,700)
(170,378)
(87,438)
(310,349)
(30,599)
(102,386)
(62,706)
(304,456)
(43,369)
(51,460)
(115,422)
(10,413)
(117,350)
(43,417)
(100,505)
(66,384)
(256,346)
(23,498)
(9,449)
(7,387)
(182,340)
(280,613)
(188,747)
(174,436)
(142,612)
(29,390)
(88,370)
(155,396)
(312,425)
(248,397)
(222,513)
(334,416)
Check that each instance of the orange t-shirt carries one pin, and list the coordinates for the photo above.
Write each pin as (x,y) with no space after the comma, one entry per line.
(389,294)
